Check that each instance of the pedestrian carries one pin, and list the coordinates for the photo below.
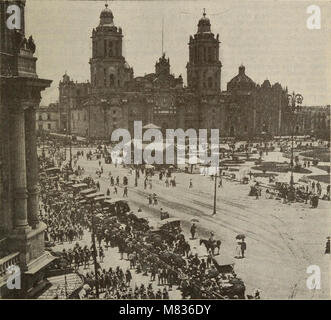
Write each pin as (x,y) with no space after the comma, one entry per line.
(153,272)
(125,192)
(128,277)
(238,250)
(115,190)
(327,246)
(108,192)
(150,200)
(243,248)
(101,254)
(191,184)
(155,199)
(193,230)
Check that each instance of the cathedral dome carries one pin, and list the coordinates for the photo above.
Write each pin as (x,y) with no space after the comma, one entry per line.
(106,16)
(241,81)
(204,24)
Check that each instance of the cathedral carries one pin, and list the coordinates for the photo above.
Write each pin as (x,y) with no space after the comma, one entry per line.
(114,98)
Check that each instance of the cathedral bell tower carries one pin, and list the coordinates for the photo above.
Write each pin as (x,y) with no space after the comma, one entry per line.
(204,66)
(109,70)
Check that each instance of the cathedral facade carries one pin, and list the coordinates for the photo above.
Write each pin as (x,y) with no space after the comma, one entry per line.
(114,98)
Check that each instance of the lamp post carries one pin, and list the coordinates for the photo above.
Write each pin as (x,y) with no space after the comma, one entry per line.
(136,176)
(43,138)
(70,152)
(215,188)
(94,251)
(65,144)
(294,104)
(264,135)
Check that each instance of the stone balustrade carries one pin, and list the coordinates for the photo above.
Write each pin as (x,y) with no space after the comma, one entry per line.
(7,261)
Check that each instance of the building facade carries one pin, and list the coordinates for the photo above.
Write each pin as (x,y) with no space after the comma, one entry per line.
(21,233)
(48,118)
(114,98)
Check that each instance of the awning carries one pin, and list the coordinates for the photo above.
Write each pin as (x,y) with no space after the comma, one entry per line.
(102,198)
(87,191)
(79,185)
(115,200)
(95,195)
(40,263)
(223,260)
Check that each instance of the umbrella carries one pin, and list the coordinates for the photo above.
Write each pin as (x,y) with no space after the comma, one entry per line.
(240,236)
(194,220)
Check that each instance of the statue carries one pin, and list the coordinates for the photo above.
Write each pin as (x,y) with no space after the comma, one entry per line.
(30,45)
(18,39)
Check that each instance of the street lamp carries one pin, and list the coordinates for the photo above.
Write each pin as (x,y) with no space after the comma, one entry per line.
(215,188)
(294,104)
(264,135)
(136,176)
(94,250)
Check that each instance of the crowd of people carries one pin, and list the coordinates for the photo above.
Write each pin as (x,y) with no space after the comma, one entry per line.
(165,259)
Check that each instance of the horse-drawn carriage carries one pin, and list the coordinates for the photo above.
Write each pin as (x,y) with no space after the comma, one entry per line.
(52,171)
(78,187)
(116,206)
(170,225)
(165,215)
(167,230)
(140,220)
(223,264)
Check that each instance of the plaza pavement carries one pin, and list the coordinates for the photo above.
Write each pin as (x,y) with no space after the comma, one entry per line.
(283,240)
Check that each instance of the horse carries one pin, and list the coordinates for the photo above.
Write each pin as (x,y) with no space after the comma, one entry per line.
(211,245)
(183,248)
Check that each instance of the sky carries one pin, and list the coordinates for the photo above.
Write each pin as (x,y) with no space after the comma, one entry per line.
(270,38)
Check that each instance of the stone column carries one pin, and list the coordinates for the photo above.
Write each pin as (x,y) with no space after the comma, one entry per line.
(18,164)
(32,166)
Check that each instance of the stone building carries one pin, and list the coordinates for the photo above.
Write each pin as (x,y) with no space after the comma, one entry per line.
(21,234)
(313,120)
(48,118)
(114,98)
